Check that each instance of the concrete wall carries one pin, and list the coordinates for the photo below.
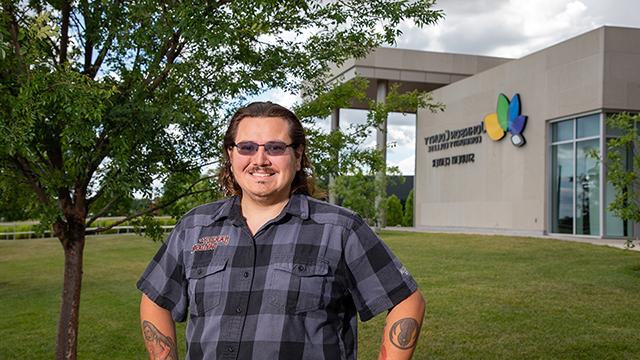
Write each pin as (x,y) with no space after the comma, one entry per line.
(416,66)
(622,69)
(411,69)
(504,190)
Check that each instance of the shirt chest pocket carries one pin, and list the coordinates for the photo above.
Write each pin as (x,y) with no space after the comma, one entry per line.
(205,286)
(298,286)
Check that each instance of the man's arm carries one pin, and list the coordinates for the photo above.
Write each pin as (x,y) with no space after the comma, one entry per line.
(402,328)
(158,330)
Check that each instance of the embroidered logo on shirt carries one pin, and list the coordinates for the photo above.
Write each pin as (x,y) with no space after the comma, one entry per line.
(403,271)
(210,242)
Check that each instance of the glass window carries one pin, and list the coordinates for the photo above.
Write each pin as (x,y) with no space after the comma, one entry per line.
(562,196)
(588,126)
(576,189)
(587,188)
(562,130)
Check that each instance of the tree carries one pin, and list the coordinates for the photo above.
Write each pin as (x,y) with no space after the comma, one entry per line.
(623,167)
(100,99)
(18,202)
(339,153)
(407,218)
(394,211)
(357,192)
(179,183)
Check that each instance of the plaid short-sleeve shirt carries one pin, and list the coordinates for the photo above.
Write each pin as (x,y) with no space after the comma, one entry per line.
(291,291)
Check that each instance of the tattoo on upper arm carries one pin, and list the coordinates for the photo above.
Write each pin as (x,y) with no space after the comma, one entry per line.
(404,333)
(159,346)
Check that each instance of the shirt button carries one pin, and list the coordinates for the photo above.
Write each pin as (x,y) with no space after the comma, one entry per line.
(199,272)
(301,268)
(238,309)
(230,349)
(246,274)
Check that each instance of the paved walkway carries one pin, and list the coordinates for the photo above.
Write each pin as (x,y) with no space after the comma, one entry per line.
(617,243)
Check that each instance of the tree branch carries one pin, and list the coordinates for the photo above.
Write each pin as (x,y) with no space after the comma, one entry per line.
(100,191)
(95,197)
(82,184)
(171,50)
(54,152)
(195,167)
(66,203)
(104,210)
(149,210)
(32,178)
(89,30)
(55,155)
(64,31)
(77,23)
(153,207)
(93,69)
(43,159)
(14,29)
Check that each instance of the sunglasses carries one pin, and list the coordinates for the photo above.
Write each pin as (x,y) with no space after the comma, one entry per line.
(273,148)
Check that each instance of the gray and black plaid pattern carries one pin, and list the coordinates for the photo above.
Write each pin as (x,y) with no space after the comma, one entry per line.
(292,291)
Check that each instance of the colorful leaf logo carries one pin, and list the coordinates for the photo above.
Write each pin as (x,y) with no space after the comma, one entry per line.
(507,118)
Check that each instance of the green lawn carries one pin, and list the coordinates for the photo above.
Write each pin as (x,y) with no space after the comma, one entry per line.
(488,297)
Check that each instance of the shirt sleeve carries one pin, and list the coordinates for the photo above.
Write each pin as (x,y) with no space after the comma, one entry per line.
(164,280)
(378,280)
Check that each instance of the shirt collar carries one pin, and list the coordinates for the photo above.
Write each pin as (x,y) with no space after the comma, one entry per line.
(298,205)
(230,209)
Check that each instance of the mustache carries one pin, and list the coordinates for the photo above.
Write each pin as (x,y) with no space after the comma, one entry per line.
(261,168)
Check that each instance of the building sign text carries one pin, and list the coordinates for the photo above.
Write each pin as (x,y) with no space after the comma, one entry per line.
(455,138)
(454,160)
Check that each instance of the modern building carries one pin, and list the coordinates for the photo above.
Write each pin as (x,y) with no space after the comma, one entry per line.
(513,152)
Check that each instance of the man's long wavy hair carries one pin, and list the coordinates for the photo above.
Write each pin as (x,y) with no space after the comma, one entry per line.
(303,182)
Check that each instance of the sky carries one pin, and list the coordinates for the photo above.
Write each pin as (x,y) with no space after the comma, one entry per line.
(505,28)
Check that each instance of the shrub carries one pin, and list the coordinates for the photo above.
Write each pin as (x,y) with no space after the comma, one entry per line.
(407,219)
(394,211)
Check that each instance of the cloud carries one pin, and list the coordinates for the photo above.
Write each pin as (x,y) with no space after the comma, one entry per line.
(614,12)
(401,132)
(406,165)
(402,135)
(507,28)
(278,96)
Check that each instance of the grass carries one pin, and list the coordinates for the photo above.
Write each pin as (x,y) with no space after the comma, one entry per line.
(488,297)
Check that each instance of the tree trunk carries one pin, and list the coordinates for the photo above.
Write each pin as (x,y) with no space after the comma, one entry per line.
(72,239)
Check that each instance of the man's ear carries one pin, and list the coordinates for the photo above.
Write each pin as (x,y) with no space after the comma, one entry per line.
(229,153)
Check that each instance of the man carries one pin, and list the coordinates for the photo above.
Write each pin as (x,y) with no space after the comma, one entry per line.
(272,273)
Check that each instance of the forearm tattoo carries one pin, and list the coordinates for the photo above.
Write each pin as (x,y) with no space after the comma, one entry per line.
(159,346)
(404,333)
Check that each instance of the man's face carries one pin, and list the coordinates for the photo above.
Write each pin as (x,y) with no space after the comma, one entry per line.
(264,178)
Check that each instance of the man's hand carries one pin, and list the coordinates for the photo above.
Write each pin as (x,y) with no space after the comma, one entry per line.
(402,328)
(158,331)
